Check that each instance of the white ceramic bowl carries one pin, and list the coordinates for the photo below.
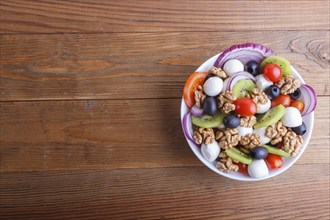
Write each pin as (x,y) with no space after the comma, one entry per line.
(287,162)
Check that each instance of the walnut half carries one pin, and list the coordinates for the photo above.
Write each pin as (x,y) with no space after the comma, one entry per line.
(226,164)
(227,137)
(288,85)
(204,136)
(218,72)
(225,101)
(199,96)
(248,121)
(258,96)
(292,143)
(250,141)
(276,132)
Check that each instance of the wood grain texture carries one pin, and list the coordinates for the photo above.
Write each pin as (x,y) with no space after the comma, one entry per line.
(137,65)
(67,135)
(165,193)
(48,16)
(89,108)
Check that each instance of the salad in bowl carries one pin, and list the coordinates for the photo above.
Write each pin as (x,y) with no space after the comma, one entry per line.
(246,113)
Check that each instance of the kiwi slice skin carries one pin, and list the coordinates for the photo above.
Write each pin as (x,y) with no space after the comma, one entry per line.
(239,156)
(276,151)
(243,87)
(271,117)
(283,63)
(207,121)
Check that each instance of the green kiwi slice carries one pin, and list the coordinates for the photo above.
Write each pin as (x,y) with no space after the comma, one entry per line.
(243,87)
(271,117)
(280,61)
(235,154)
(207,121)
(274,150)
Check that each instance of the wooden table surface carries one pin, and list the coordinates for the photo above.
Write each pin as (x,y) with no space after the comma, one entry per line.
(90,103)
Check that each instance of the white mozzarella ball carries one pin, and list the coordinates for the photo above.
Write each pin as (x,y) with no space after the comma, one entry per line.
(291,117)
(210,151)
(263,108)
(233,66)
(258,169)
(262,82)
(262,133)
(242,131)
(213,86)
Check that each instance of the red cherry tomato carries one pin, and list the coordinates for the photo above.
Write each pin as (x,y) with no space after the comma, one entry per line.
(298,104)
(272,72)
(245,106)
(282,99)
(196,79)
(242,168)
(274,161)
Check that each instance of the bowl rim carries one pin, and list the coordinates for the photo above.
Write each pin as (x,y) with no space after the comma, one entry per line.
(308,119)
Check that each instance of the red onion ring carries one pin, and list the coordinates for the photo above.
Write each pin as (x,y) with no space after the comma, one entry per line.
(244,53)
(196,111)
(238,76)
(309,98)
(187,128)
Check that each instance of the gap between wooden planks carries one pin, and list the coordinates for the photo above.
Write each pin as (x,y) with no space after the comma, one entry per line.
(96,16)
(111,134)
(138,65)
(185,193)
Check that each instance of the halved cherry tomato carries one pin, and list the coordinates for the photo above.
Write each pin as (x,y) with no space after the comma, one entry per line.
(274,161)
(196,79)
(272,72)
(298,104)
(245,106)
(282,99)
(242,168)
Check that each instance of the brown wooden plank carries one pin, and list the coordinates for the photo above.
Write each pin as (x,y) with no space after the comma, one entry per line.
(164,193)
(49,16)
(67,135)
(137,65)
